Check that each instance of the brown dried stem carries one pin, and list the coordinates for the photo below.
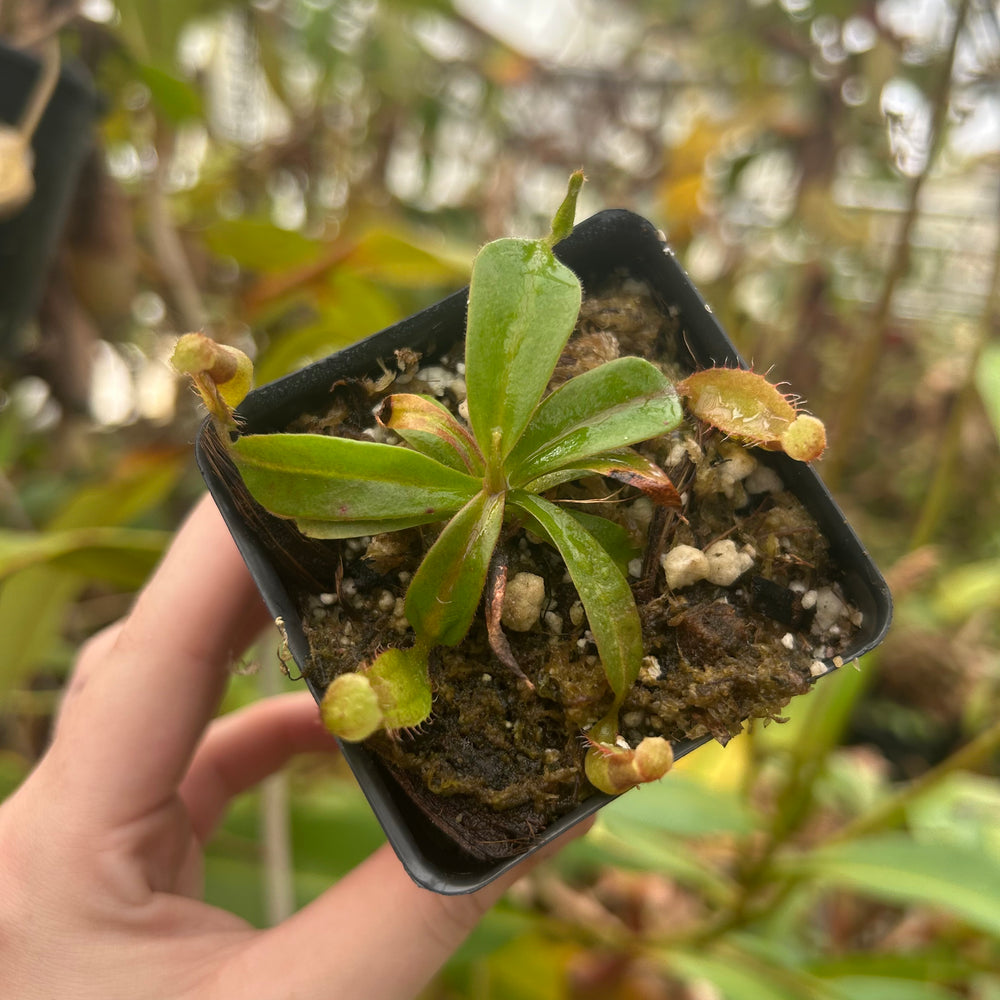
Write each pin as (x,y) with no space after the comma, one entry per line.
(167,245)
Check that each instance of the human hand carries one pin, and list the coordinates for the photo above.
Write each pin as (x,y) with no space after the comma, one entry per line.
(101,847)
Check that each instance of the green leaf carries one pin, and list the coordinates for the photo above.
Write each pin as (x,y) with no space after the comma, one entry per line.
(332,830)
(356,529)
(444,593)
(936,962)
(33,602)
(233,877)
(961,881)
(499,927)
(262,246)
(626,466)
(962,808)
(562,222)
(523,306)
(985,985)
(967,590)
(738,976)
(881,988)
(140,484)
(430,428)
(307,343)
(342,306)
(531,967)
(619,403)
(616,540)
(604,592)
(19,550)
(177,99)
(33,605)
(350,484)
(643,849)
(988,383)
(396,258)
(151,31)
(681,806)
(124,562)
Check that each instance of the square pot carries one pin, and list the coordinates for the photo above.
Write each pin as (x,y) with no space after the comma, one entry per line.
(608,243)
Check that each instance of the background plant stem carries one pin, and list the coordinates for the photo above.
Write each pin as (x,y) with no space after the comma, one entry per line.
(869,352)
(892,811)
(170,253)
(938,498)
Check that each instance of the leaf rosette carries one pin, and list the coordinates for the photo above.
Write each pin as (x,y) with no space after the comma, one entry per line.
(503,466)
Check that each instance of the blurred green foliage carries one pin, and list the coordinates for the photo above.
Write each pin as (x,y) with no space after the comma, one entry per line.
(291,175)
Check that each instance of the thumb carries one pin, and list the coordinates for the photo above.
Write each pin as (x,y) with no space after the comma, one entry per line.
(374,934)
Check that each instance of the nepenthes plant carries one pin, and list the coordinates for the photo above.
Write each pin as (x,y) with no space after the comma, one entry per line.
(494,474)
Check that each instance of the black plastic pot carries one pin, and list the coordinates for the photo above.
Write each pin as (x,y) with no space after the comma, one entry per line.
(603,245)
(60,143)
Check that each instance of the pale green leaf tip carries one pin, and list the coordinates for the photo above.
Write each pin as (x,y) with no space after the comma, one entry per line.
(562,221)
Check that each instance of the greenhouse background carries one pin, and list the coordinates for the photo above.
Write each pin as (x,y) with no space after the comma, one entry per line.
(292,175)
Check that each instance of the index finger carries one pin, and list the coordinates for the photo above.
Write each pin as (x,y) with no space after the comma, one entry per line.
(129,729)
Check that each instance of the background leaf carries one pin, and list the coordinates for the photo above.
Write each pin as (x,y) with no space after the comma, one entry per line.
(332,830)
(307,323)
(963,882)
(119,554)
(261,246)
(881,988)
(987,377)
(682,806)
(34,601)
(738,976)
(395,257)
(968,590)
(176,99)
(530,969)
